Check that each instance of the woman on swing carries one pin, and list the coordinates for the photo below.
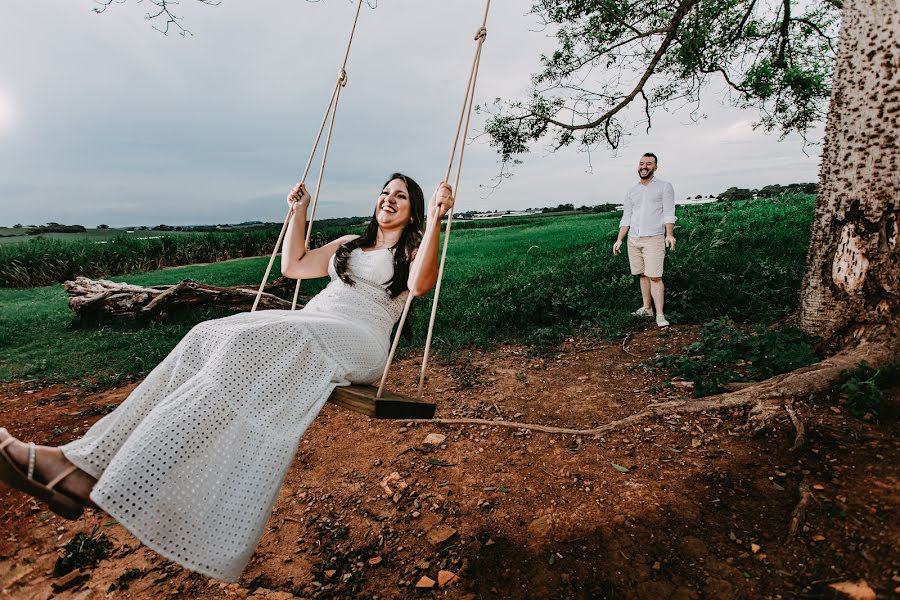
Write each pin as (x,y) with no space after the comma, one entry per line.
(192,461)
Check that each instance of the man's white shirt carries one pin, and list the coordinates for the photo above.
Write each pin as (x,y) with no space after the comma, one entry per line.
(648,208)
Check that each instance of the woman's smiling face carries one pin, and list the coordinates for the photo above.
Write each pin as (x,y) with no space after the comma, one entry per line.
(393,209)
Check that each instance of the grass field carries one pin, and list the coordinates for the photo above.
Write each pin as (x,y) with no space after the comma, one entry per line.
(535,283)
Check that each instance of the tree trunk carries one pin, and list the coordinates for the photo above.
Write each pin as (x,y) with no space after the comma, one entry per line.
(851,291)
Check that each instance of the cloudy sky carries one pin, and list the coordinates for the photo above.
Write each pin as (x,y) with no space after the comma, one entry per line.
(104,120)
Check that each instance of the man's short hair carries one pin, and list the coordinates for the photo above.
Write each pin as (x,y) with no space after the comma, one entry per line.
(651,155)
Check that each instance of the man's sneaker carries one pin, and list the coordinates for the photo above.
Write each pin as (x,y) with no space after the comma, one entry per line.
(661,321)
(643,312)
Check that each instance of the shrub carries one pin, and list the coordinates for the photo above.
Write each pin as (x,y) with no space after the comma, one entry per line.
(863,387)
(727,353)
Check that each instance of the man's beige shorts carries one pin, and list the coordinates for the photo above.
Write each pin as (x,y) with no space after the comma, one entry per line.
(646,255)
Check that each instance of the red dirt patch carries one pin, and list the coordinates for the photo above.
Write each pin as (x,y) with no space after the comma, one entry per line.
(512,513)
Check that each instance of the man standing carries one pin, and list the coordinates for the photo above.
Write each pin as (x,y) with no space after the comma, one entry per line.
(649,221)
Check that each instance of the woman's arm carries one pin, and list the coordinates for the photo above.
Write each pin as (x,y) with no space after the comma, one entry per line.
(296,261)
(421,283)
(314,263)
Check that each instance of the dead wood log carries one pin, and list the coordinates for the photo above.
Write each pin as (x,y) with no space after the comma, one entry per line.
(104,300)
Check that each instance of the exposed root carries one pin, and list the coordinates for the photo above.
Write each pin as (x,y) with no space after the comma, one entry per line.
(799,438)
(763,415)
(659,409)
(800,510)
(767,397)
(625,348)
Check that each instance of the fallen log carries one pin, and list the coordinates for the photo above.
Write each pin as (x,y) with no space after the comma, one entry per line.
(103,299)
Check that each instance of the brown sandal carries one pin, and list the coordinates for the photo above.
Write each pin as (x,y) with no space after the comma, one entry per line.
(12,475)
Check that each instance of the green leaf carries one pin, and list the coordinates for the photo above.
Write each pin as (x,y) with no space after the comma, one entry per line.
(619,468)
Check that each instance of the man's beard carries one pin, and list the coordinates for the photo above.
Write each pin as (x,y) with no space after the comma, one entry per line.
(647,176)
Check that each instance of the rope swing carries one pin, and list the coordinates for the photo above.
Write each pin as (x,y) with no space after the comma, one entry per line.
(332,112)
(361,398)
(461,134)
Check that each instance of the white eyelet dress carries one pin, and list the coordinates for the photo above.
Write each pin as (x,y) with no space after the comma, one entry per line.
(192,461)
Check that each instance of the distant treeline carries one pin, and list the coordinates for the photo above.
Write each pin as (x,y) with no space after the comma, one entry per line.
(769,191)
(255,225)
(49,228)
(599,208)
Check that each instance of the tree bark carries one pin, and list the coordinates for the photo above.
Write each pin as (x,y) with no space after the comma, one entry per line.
(851,291)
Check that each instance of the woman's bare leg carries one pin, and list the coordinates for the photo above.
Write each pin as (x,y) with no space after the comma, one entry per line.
(49,462)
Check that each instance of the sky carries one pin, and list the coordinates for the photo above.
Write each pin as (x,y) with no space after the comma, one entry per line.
(105,120)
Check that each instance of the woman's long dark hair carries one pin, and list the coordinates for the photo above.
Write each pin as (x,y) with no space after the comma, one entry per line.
(403,250)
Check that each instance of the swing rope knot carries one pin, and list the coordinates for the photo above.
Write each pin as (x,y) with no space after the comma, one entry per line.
(342,78)
(481,34)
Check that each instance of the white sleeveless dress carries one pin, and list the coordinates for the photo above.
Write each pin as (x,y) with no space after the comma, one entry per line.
(192,461)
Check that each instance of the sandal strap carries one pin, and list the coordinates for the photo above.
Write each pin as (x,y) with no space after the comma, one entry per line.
(32,456)
(68,471)
(7,442)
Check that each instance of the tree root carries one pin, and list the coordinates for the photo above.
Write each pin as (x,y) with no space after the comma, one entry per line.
(768,398)
(799,438)
(625,348)
(800,510)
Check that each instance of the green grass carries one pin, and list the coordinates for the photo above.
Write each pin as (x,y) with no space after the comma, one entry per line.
(40,338)
(533,283)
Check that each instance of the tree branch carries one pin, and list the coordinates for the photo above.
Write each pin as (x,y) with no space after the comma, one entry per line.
(740,28)
(640,35)
(817,29)
(650,70)
(728,80)
(647,112)
(785,33)
(164,8)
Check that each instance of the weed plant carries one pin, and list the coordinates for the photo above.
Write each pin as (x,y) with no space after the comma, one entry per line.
(863,387)
(84,550)
(727,352)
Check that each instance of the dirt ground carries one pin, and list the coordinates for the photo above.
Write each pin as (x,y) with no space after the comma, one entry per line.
(674,508)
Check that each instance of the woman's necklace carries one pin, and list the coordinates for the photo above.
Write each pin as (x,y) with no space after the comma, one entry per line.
(382,243)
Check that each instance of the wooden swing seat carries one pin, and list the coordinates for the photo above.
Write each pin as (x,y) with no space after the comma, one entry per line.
(361,399)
